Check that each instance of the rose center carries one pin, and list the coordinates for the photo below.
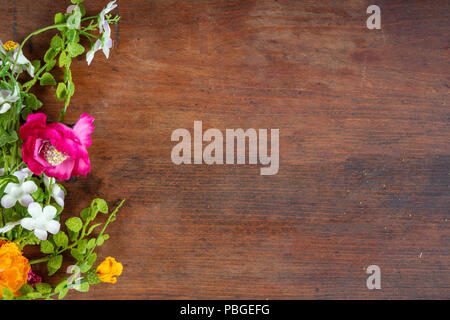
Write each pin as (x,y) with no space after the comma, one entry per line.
(53,156)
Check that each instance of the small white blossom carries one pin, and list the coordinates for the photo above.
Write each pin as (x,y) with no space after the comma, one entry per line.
(57,192)
(105,44)
(19,191)
(41,221)
(17,60)
(7,97)
(109,7)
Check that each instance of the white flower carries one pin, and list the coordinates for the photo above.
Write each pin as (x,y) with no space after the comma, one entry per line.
(105,44)
(19,191)
(7,97)
(22,63)
(109,7)
(57,192)
(41,221)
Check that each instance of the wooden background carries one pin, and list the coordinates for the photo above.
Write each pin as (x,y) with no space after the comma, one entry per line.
(364,146)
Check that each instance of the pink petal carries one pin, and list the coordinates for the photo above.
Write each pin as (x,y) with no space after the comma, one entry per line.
(62,171)
(84,128)
(34,121)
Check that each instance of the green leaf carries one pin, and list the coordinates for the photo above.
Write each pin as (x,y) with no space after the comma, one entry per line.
(92,258)
(25,289)
(61,285)
(32,102)
(50,65)
(7,294)
(47,247)
(72,36)
(90,244)
(34,295)
(92,228)
(61,239)
(86,214)
(102,239)
(61,91)
(47,79)
(50,55)
(29,84)
(75,49)
(38,195)
(36,64)
(59,18)
(84,287)
(74,224)
(56,43)
(54,264)
(67,75)
(71,88)
(62,59)
(63,293)
(100,204)
(73,235)
(82,244)
(43,287)
(6,137)
(76,254)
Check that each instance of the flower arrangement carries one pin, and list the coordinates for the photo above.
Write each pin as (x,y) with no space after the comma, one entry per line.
(38,155)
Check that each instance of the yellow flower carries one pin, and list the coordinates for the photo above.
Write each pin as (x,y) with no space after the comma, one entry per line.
(108,269)
(14,267)
(10,45)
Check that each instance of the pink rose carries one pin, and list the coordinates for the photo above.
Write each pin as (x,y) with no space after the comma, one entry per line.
(54,148)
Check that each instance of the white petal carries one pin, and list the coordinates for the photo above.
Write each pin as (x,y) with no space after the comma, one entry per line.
(20,175)
(60,201)
(34,209)
(49,212)
(53,226)
(90,56)
(9,226)
(106,51)
(10,186)
(5,107)
(28,223)
(16,192)
(25,200)
(2,172)
(8,201)
(40,234)
(27,171)
(29,187)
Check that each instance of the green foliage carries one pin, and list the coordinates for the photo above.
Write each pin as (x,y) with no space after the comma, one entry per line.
(82,234)
(74,224)
(47,79)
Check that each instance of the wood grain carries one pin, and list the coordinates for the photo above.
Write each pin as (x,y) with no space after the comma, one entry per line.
(364,146)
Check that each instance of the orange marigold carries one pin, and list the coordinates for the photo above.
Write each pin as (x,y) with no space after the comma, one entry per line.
(14,267)
(108,269)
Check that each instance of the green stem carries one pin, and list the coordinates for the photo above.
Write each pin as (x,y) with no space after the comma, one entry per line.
(33,34)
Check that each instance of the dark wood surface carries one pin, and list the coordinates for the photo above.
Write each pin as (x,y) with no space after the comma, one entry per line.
(364,146)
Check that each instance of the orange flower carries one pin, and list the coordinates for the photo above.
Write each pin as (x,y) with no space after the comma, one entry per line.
(108,269)
(14,267)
